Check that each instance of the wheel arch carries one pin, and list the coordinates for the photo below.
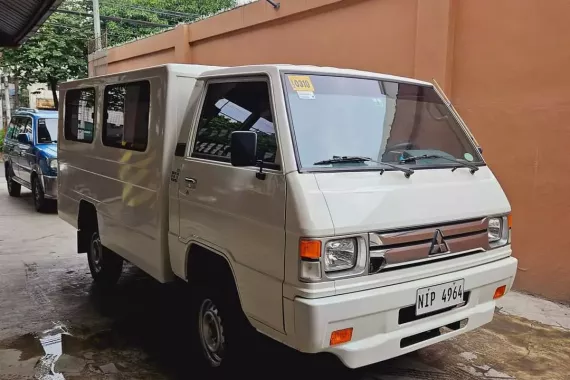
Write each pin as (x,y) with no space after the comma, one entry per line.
(198,256)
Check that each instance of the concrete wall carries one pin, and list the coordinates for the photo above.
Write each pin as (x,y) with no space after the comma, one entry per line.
(504,64)
(511,78)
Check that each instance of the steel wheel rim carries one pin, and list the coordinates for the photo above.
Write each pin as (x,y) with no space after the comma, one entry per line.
(96,253)
(211,333)
(37,191)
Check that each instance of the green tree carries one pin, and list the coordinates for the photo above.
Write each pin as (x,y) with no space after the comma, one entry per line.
(165,12)
(58,51)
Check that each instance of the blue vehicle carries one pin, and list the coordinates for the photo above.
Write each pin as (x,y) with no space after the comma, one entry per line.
(30,156)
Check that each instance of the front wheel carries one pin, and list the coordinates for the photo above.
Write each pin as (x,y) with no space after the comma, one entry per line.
(220,331)
(105,265)
(41,204)
(211,333)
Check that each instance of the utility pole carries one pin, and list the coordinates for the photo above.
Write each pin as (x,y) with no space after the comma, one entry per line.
(97,25)
(1,108)
(7,99)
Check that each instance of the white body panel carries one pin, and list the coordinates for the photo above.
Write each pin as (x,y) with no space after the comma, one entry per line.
(390,201)
(93,172)
(257,224)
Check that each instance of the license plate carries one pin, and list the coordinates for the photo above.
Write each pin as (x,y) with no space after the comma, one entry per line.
(439,297)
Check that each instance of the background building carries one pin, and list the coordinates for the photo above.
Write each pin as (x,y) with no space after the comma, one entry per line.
(40,96)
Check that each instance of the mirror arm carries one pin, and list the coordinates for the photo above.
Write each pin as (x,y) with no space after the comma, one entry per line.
(260,174)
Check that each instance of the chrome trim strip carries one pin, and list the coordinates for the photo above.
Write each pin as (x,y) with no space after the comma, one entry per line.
(420,253)
(424,234)
(429,259)
(413,246)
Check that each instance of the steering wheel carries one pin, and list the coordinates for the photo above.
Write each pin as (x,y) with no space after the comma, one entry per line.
(401,146)
(395,151)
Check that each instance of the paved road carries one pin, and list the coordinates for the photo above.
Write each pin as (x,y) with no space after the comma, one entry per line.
(134,333)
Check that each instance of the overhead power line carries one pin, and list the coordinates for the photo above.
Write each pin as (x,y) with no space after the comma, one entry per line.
(164,12)
(72,27)
(116,19)
(62,25)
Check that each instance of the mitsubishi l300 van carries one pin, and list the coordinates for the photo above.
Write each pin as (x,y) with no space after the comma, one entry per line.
(332,210)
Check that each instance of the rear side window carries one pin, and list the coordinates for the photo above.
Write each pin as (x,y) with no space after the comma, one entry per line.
(126,115)
(236,106)
(79,113)
(14,127)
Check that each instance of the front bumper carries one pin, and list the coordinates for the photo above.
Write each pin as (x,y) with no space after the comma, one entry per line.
(374,315)
(50,186)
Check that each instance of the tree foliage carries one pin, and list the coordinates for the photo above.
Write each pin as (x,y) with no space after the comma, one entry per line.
(165,12)
(58,51)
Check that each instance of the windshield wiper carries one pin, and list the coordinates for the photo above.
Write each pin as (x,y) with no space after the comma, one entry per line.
(472,168)
(356,159)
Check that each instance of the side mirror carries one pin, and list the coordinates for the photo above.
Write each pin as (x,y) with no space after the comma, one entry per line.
(23,138)
(243,148)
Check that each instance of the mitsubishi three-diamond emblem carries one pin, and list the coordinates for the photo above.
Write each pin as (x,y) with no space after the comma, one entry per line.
(438,244)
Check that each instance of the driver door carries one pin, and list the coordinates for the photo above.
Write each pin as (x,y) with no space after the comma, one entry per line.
(230,208)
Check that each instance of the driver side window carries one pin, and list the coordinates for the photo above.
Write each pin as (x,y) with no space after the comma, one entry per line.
(15,125)
(236,106)
(26,126)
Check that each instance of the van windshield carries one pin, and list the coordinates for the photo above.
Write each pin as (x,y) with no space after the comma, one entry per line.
(342,117)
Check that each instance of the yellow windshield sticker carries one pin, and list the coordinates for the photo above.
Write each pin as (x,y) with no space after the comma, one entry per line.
(301,83)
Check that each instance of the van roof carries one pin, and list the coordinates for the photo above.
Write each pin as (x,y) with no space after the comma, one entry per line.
(316,70)
(46,114)
(203,71)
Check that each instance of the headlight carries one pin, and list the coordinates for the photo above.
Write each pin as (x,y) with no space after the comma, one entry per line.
(495,230)
(340,254)
(53,164)
(499,231)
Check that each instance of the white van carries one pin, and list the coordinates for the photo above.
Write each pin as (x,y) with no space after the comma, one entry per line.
(333,210)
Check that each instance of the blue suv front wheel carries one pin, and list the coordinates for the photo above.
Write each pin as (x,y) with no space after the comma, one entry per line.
(40,202)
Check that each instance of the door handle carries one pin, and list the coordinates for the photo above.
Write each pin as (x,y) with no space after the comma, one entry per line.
(190,182)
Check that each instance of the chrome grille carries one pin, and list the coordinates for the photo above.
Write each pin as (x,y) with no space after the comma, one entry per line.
(415,246)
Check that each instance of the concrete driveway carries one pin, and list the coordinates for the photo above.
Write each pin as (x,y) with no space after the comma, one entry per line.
(48,304)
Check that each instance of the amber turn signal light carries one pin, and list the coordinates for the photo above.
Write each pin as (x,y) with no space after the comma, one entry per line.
(310,249)
(510,221)
(341,336)
(501,290)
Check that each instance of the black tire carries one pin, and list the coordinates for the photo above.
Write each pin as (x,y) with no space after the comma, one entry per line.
(105,265)
(41,204)
(14,188)
(217,301)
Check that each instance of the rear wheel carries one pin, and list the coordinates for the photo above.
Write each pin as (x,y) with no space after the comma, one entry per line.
(105,265)
(14,188)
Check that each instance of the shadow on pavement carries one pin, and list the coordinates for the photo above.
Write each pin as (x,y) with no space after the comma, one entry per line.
(150,316)
(26,199)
